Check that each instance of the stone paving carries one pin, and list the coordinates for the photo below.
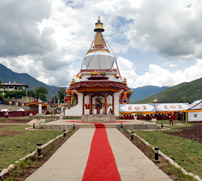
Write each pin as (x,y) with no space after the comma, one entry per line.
(69,161)
(131,162)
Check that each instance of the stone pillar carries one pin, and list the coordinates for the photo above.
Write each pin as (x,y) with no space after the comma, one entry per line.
(112,103)
(116,103)
(62,109)
(83,106)
(105,104)
(90,104)
(40,108)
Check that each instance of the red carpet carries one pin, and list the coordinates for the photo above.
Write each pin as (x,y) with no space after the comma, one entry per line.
(101,163)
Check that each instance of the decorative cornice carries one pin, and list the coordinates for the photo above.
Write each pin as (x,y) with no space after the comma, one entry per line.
(78,85)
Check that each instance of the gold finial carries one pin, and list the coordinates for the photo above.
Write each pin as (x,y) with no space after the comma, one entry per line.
(125,80)
(99,26)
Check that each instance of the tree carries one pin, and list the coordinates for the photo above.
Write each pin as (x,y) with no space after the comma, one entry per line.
(61,95)
(31,93)
(15,94)
(41,93)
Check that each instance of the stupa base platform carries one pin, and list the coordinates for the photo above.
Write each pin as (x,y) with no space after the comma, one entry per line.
(98,118)
(126,124)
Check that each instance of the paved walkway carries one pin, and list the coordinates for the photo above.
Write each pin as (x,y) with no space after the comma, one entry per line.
(131,162)
(69,162)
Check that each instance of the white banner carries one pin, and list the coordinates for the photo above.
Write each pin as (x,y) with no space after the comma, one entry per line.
(158,107)
(172,107)
(194,116)
(136,108)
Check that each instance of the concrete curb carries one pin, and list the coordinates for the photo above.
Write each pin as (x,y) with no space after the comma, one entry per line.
(12,166)
(172,162)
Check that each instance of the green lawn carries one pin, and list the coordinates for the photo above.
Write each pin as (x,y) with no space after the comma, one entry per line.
(27,140)
(167,122)
(186,153)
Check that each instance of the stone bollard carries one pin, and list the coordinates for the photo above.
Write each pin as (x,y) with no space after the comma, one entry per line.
(39,149)
(73,127)
(132,136)
(64,133)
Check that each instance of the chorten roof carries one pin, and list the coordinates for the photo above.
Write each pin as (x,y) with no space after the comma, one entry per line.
(99,56)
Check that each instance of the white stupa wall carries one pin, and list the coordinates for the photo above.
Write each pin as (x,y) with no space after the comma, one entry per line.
(87,99)
(76,110)
(99,60)
(109,99)
(116,103)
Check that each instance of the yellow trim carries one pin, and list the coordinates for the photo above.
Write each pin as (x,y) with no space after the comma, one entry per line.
(36,103)
(186,116)
(94,50)
(125,113)
(96,73)
(192,110)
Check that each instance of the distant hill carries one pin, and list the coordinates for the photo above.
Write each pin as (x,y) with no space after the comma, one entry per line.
(144,92)
(186,92)
(7,75)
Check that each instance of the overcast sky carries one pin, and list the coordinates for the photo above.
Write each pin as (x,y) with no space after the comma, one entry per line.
(156,42)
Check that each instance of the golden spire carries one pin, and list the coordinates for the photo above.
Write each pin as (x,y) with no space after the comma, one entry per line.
(99,42)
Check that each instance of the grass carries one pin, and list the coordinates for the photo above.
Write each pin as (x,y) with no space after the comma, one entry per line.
(49,120)
(26,139)
(22,117)
(167,122)
(186,153)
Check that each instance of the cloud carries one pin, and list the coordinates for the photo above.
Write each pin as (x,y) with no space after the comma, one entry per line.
(48,38)
(169,64)
(45,36)
(159,76)
(170,28)
(18,28)
(127,70)
(36,38)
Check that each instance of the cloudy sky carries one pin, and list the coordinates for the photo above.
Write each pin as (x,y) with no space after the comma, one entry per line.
(156,42)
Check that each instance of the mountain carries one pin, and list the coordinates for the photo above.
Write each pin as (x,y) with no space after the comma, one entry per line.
(186,92)
(7,75)
(144,92)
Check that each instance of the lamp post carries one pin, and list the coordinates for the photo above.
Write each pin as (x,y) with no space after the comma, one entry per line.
(156,154)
